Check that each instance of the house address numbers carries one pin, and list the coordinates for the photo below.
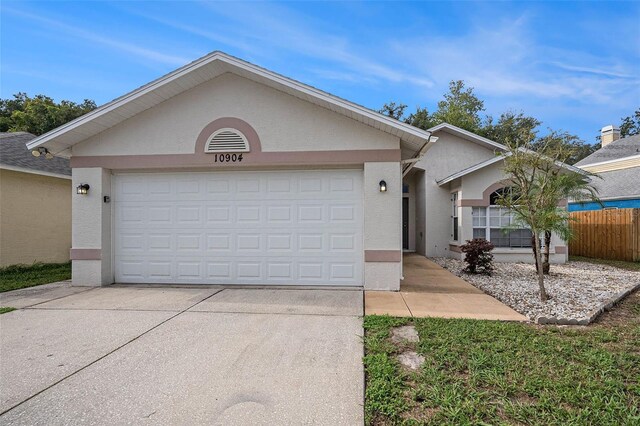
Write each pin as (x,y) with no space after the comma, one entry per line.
(227,158)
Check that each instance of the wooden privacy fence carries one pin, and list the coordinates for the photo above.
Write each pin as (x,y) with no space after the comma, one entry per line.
(606,234)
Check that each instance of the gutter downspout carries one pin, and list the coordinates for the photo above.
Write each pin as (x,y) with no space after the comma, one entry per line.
(408,164)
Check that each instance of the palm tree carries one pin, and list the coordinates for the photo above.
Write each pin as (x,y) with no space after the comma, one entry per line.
(540,181)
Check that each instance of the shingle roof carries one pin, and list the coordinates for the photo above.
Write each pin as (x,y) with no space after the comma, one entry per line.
(14,152)
(616,150)
(618,183)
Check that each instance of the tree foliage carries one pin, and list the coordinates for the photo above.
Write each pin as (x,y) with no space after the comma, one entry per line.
(630,125)
(538,185)
(510,128)
(39,114)
(461,107)
(393,110)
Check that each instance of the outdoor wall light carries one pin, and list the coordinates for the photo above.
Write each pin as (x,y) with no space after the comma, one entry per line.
(42,151)
(383,186)
(83,189)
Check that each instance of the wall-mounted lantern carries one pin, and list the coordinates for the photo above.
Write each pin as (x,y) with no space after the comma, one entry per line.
(83,189)
(383,186)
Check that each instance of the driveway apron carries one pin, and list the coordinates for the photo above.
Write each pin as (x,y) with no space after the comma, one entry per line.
(175,356)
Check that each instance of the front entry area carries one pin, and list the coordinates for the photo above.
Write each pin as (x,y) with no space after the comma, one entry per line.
(255,228)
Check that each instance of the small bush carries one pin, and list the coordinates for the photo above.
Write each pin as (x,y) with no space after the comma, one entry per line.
(477,255)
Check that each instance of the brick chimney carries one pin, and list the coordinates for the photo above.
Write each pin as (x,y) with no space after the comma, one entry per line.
(609,134)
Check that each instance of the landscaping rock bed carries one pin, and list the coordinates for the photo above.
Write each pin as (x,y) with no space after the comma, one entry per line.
(579,291)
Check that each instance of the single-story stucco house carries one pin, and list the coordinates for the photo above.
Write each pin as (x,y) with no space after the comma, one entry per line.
(35,204)
(223,172)
(617,165)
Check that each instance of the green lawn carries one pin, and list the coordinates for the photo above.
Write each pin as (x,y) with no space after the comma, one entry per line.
(630,266)
(4,310)
(488,372)
(21,276)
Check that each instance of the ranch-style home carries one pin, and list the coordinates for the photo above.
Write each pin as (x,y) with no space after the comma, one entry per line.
(223,172)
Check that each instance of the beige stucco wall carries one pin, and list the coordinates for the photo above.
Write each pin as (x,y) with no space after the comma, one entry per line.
(382,223)
(35,218)
(283,123)
(472,187)
(449,155)
(92,226)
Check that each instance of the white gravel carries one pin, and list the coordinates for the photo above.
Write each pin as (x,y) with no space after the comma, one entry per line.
(576,289)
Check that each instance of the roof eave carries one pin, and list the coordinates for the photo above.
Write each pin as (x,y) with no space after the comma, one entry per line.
(408,133)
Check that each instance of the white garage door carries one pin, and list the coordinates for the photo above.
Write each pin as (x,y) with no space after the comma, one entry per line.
(280,228)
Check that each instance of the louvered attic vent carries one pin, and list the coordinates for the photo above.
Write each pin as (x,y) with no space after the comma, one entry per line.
(227,140)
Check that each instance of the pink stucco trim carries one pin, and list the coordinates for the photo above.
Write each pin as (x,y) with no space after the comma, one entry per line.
(85,254)
(454,248)
(202,160)
(486,194)
(382,256)
(233,123)
(561,249)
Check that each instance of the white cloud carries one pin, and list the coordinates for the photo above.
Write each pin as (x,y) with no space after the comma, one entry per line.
(122,46)
(274,27)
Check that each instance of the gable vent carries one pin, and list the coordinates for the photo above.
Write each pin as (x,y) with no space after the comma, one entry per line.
(227,140)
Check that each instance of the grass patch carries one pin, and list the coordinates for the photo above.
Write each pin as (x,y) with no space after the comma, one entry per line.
(21,276)
(629,266)
(489,372)
(4,310)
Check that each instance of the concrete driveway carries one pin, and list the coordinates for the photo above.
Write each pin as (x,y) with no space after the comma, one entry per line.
(116,355)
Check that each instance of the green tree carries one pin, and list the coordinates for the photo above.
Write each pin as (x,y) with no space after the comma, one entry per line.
(460,107)
(421,119)
(393,110)
(538,184)
(630,125)
(510,128)
(575,148)
(39,114)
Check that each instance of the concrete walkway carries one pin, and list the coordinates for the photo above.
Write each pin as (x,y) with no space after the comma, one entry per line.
(131,355)
(428,290)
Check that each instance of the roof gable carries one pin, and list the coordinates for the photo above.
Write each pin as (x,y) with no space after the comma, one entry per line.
(200,71)
(467,135)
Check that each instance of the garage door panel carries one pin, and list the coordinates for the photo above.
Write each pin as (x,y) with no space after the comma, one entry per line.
(239,227)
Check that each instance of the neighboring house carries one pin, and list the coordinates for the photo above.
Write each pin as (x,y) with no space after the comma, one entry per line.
(223,172)
(35,204)
(617,164)
(449,197)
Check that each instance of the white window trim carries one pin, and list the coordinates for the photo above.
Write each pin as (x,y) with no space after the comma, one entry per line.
(487,227)
(455,214)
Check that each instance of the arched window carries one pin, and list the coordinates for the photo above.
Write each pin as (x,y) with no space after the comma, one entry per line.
(495,223)
(226,140)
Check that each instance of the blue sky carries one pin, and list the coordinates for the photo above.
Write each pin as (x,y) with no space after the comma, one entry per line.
(573,65)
